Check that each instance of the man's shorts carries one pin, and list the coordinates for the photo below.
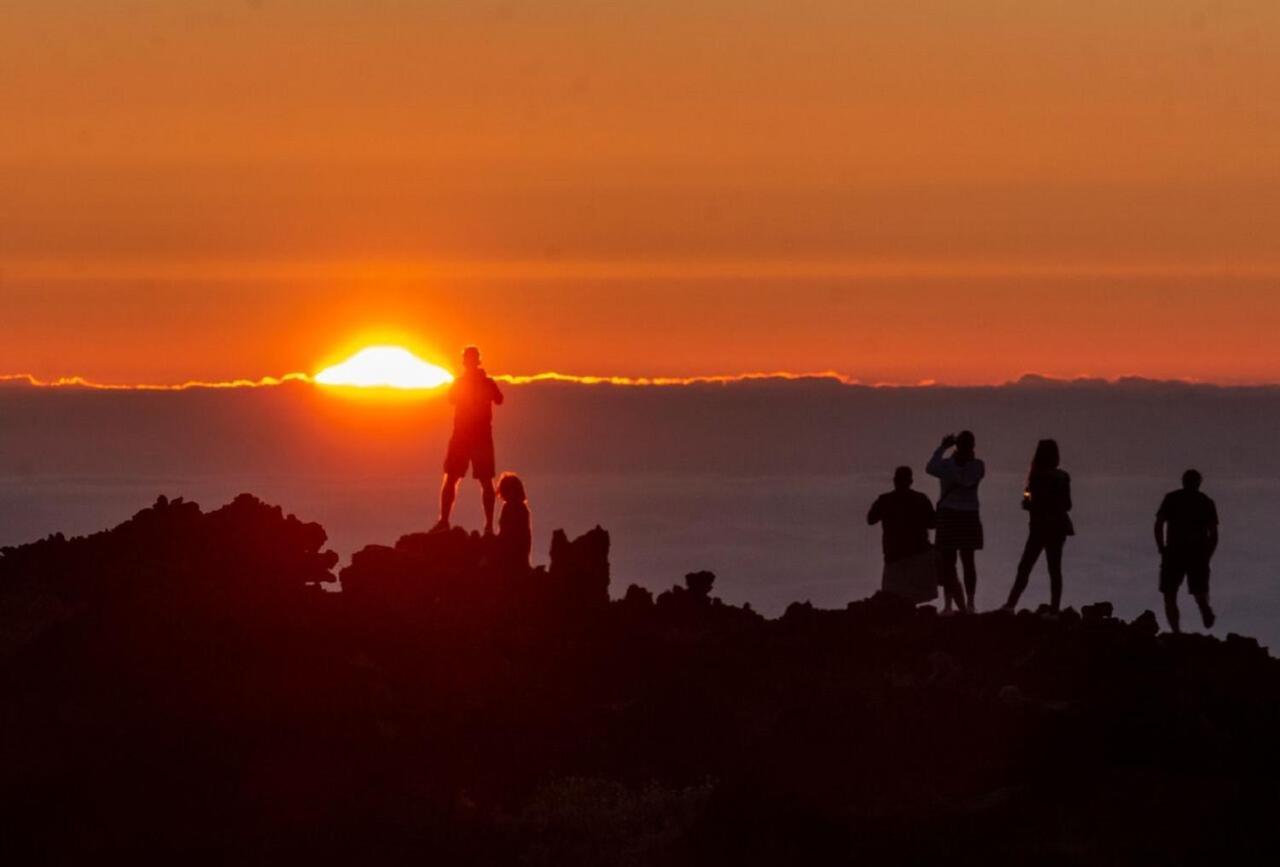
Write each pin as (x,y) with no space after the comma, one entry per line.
(1191,565)
(473,451)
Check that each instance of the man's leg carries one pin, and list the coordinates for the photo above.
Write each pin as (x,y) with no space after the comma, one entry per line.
(1173,571)
(484,468)
(1171,611)
(486,490)
(1198,584)
(970,578)
(1206,612)
(448,493)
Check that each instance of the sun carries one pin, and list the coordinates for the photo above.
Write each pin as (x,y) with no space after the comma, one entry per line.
(385,367)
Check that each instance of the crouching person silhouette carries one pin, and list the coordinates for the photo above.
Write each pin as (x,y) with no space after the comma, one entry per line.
(1186,548)
(910,567)
(473,395)
(515,525)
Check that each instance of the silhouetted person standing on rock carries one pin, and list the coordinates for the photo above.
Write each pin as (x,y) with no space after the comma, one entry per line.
(1048,498)
(1187,537)
(473,395)
(515,524)
(959,522)
(906,517)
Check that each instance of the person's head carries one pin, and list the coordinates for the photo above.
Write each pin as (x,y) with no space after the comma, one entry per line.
(471,358)
(1192,480)
(903,478)
(1047,457)
(510,488)
(966,442)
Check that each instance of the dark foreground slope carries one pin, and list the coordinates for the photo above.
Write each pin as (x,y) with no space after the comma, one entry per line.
(183,689)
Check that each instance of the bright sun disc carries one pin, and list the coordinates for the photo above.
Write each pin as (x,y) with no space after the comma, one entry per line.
(385,367)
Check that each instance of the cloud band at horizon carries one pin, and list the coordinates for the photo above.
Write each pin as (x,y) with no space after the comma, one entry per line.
(510,379)
(78,382)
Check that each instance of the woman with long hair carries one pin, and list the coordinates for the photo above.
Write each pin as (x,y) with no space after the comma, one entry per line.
(1048,498)
(959,532)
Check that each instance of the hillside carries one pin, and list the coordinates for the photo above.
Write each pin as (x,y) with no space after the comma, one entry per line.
(183,687)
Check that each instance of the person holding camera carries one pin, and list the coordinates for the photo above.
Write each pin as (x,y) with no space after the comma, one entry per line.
(959,524)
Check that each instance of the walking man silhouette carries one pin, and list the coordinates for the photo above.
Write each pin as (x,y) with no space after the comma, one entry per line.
(1187,537)
(473,395)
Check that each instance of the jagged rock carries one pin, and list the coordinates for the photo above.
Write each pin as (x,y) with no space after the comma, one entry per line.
(187,695)
(699,583)
(1146,624)
(246,558)
(637,597)
(1097,612)
(799,611)
(581,568)
(1245,645)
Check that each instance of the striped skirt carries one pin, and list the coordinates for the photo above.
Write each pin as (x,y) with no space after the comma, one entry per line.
(959,530)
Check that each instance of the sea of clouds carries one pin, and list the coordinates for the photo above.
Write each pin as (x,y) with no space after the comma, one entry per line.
(766,484)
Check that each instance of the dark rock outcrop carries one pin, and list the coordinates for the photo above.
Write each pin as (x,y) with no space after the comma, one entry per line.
(183,688)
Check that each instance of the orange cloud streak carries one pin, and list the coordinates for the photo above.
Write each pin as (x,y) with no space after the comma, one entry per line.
(551,376)
(529,379)
(81,382)
(513,379)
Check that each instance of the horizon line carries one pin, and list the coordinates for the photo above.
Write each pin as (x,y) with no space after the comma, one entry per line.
(85,383)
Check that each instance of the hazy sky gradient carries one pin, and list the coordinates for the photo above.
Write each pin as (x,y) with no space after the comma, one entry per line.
(962,191)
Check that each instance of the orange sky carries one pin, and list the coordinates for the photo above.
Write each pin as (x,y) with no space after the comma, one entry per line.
(960,190)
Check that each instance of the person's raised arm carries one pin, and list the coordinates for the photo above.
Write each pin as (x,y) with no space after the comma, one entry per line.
(937,465)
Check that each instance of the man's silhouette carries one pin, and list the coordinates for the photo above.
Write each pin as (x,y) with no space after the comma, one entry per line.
(907,517)
(1187,537)
(910,569)
(473,395)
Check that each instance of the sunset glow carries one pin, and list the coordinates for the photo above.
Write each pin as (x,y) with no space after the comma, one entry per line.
(954,191)
(385,367)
